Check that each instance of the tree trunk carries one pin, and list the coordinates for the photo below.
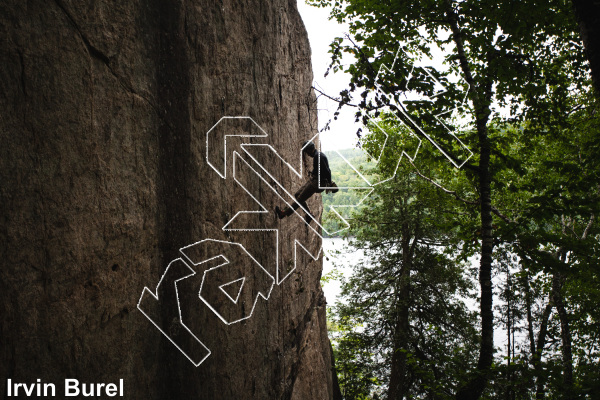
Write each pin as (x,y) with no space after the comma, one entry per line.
(587,13)
(337,392)
(480,95)
(476,385)
(398,374)
(529,315)
(537,356)
(565,333)
(509,333)
(530,332)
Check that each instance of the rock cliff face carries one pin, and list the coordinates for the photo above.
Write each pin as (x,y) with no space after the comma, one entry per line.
(104,112)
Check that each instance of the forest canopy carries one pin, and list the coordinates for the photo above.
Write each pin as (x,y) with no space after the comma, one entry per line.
(507,170)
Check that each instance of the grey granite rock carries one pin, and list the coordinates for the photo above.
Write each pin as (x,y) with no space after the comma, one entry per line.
(104,108)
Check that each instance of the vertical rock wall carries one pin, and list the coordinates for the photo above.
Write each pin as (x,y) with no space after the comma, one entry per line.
(104,109)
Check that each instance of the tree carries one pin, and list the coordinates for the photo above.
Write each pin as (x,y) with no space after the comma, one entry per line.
(548,257)
(588,17)
(405,325)
(498,49)
(555,233)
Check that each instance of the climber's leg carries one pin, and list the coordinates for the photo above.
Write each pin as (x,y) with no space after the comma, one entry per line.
(304,193)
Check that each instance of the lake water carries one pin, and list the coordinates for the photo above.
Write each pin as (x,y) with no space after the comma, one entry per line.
(344,262)
(335,258)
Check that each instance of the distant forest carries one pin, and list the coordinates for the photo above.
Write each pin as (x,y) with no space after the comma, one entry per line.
(345,177)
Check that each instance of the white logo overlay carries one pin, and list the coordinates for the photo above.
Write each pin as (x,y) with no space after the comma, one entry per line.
(228,280)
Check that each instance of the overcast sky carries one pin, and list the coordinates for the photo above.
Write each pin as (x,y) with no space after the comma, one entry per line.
(321,33)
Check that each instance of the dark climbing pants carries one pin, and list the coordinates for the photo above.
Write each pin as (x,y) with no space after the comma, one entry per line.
(308,189)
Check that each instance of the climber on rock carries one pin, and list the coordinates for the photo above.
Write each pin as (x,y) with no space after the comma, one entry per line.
(321,174)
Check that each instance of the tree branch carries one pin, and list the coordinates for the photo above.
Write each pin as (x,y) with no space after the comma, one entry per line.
(502,216)
(457,197)
(451,192)
(403,113)
(458,41)
(333,98)
(587,228)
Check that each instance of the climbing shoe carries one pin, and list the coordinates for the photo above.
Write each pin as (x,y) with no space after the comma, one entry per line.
(332,188)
